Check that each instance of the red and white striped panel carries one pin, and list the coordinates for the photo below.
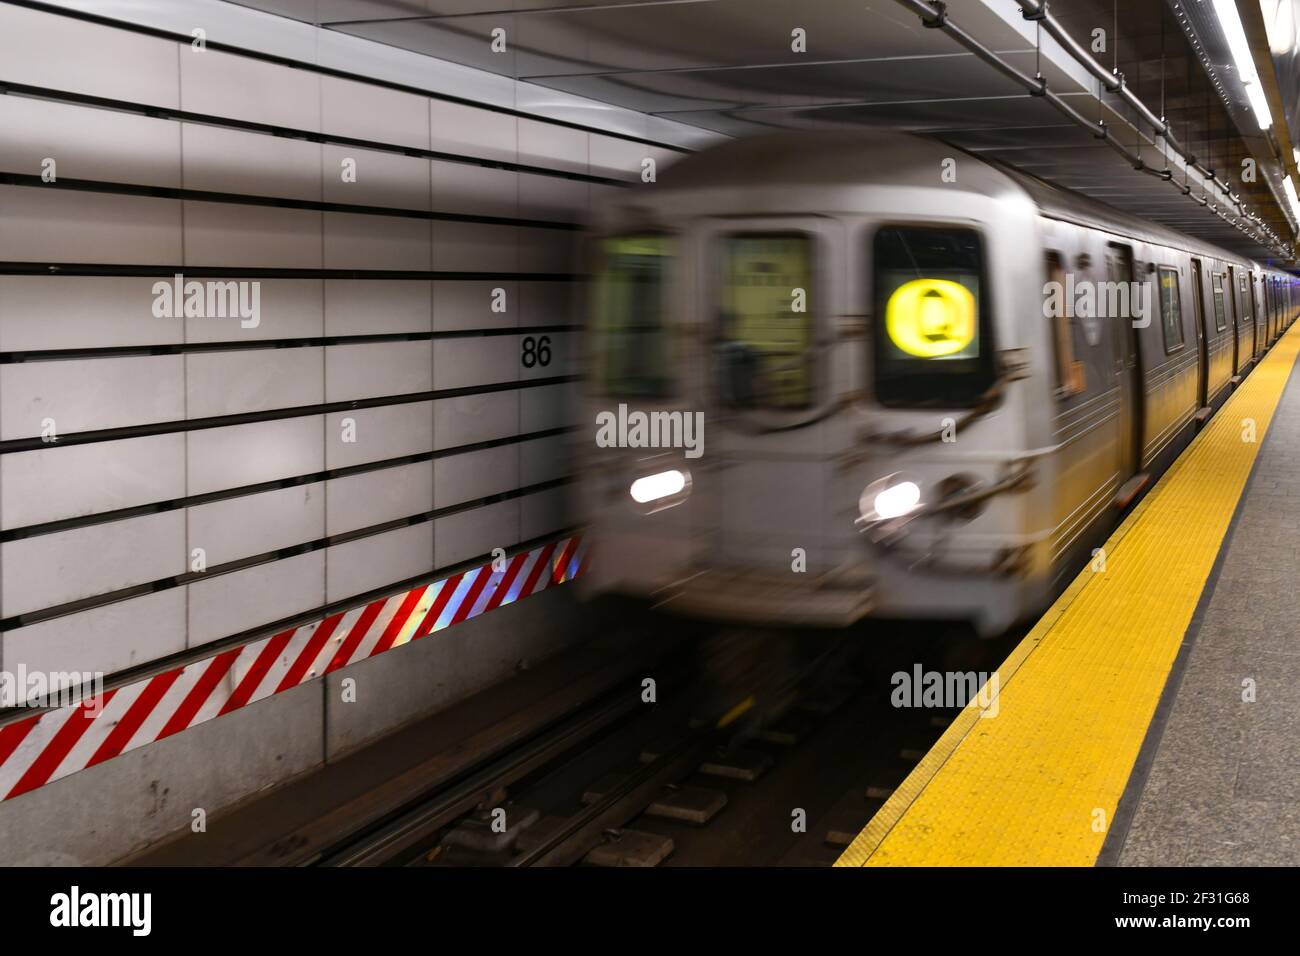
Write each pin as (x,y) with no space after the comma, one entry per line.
(43,747)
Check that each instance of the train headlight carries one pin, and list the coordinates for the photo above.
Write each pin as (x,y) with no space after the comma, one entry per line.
(890,497)
(655,489)
(897,500)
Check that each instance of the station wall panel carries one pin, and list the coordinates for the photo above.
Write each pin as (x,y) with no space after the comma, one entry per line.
(370,498)
(88,143)
(81,312)
(35,49)
(89,394)
(368,563)
(330,329)
(59,225)
(90,561)
(234,383)
(51,484)
(235,528)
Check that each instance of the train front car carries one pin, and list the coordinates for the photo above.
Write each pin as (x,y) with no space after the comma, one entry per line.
(810,387)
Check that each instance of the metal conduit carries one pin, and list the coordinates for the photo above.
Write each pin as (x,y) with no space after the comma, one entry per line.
(936,16)
(1114,82)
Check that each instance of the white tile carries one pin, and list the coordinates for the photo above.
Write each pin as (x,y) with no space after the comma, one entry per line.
(230,603)
(88,394)
(254,164)
(231,383)
(376,242)
(373,369)
(389,431)
(376,306)
(63,53)
(468,419)
(474,247)
(365,177)
(241,87)
(46,225)
(552,146)
(64,312)
(480,360)
(51,569)
(287,309)
(471,304)
(238,455)
(469,131)
(54,483)
(474,190)
(365,111)
(223,234)
(377,561)
(373,497)
(87,143)
(475,474)
(470,534)
(105,639)
(255,524)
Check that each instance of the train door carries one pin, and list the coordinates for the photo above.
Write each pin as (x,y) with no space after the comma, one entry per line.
(1198,310)
(1128,365)
(1229,303)
(771,285)
(1245,324)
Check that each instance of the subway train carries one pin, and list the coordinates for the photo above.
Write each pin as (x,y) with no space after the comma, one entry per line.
(837,376)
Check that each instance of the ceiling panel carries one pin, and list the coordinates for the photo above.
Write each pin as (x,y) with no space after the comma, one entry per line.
(727,66)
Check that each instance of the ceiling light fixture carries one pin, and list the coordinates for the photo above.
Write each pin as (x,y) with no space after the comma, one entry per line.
(1230,21)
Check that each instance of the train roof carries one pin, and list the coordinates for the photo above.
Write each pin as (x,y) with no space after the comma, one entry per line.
(829,157)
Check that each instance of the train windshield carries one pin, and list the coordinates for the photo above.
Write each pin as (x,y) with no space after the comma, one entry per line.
(765,330)
(629,311)
(931,333)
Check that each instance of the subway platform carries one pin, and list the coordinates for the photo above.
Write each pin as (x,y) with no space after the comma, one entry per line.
(1151,716)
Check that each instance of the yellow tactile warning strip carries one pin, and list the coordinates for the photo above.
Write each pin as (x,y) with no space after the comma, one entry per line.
(1038,784)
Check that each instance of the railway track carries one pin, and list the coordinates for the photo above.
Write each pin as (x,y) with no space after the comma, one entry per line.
(618,783)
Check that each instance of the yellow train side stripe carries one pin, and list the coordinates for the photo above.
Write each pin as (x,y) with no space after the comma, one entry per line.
(1038,783)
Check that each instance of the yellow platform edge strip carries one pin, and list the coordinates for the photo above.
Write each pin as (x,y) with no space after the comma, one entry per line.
(1038,784)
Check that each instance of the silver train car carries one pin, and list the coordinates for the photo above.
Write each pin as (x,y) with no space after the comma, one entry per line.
(836,376)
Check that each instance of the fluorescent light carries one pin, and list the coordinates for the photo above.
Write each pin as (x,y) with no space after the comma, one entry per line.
(1291,197)
(1245,62)
(1279,21)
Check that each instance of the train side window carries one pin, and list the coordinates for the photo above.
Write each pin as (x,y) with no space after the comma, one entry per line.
(1070,376)
(1220,318)
(1171,309)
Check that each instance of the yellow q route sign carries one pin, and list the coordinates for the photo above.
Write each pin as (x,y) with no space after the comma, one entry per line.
(930,318)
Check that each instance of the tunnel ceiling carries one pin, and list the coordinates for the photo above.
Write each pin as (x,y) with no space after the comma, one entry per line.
(729,66)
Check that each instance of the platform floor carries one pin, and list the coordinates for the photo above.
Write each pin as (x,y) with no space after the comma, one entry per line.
(1121,734)
(1222,773)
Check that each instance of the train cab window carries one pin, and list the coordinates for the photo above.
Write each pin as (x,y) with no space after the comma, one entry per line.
(1070,376)
(1171,309)
(628,315)
(1220,316)
(766,334)
(931,335)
